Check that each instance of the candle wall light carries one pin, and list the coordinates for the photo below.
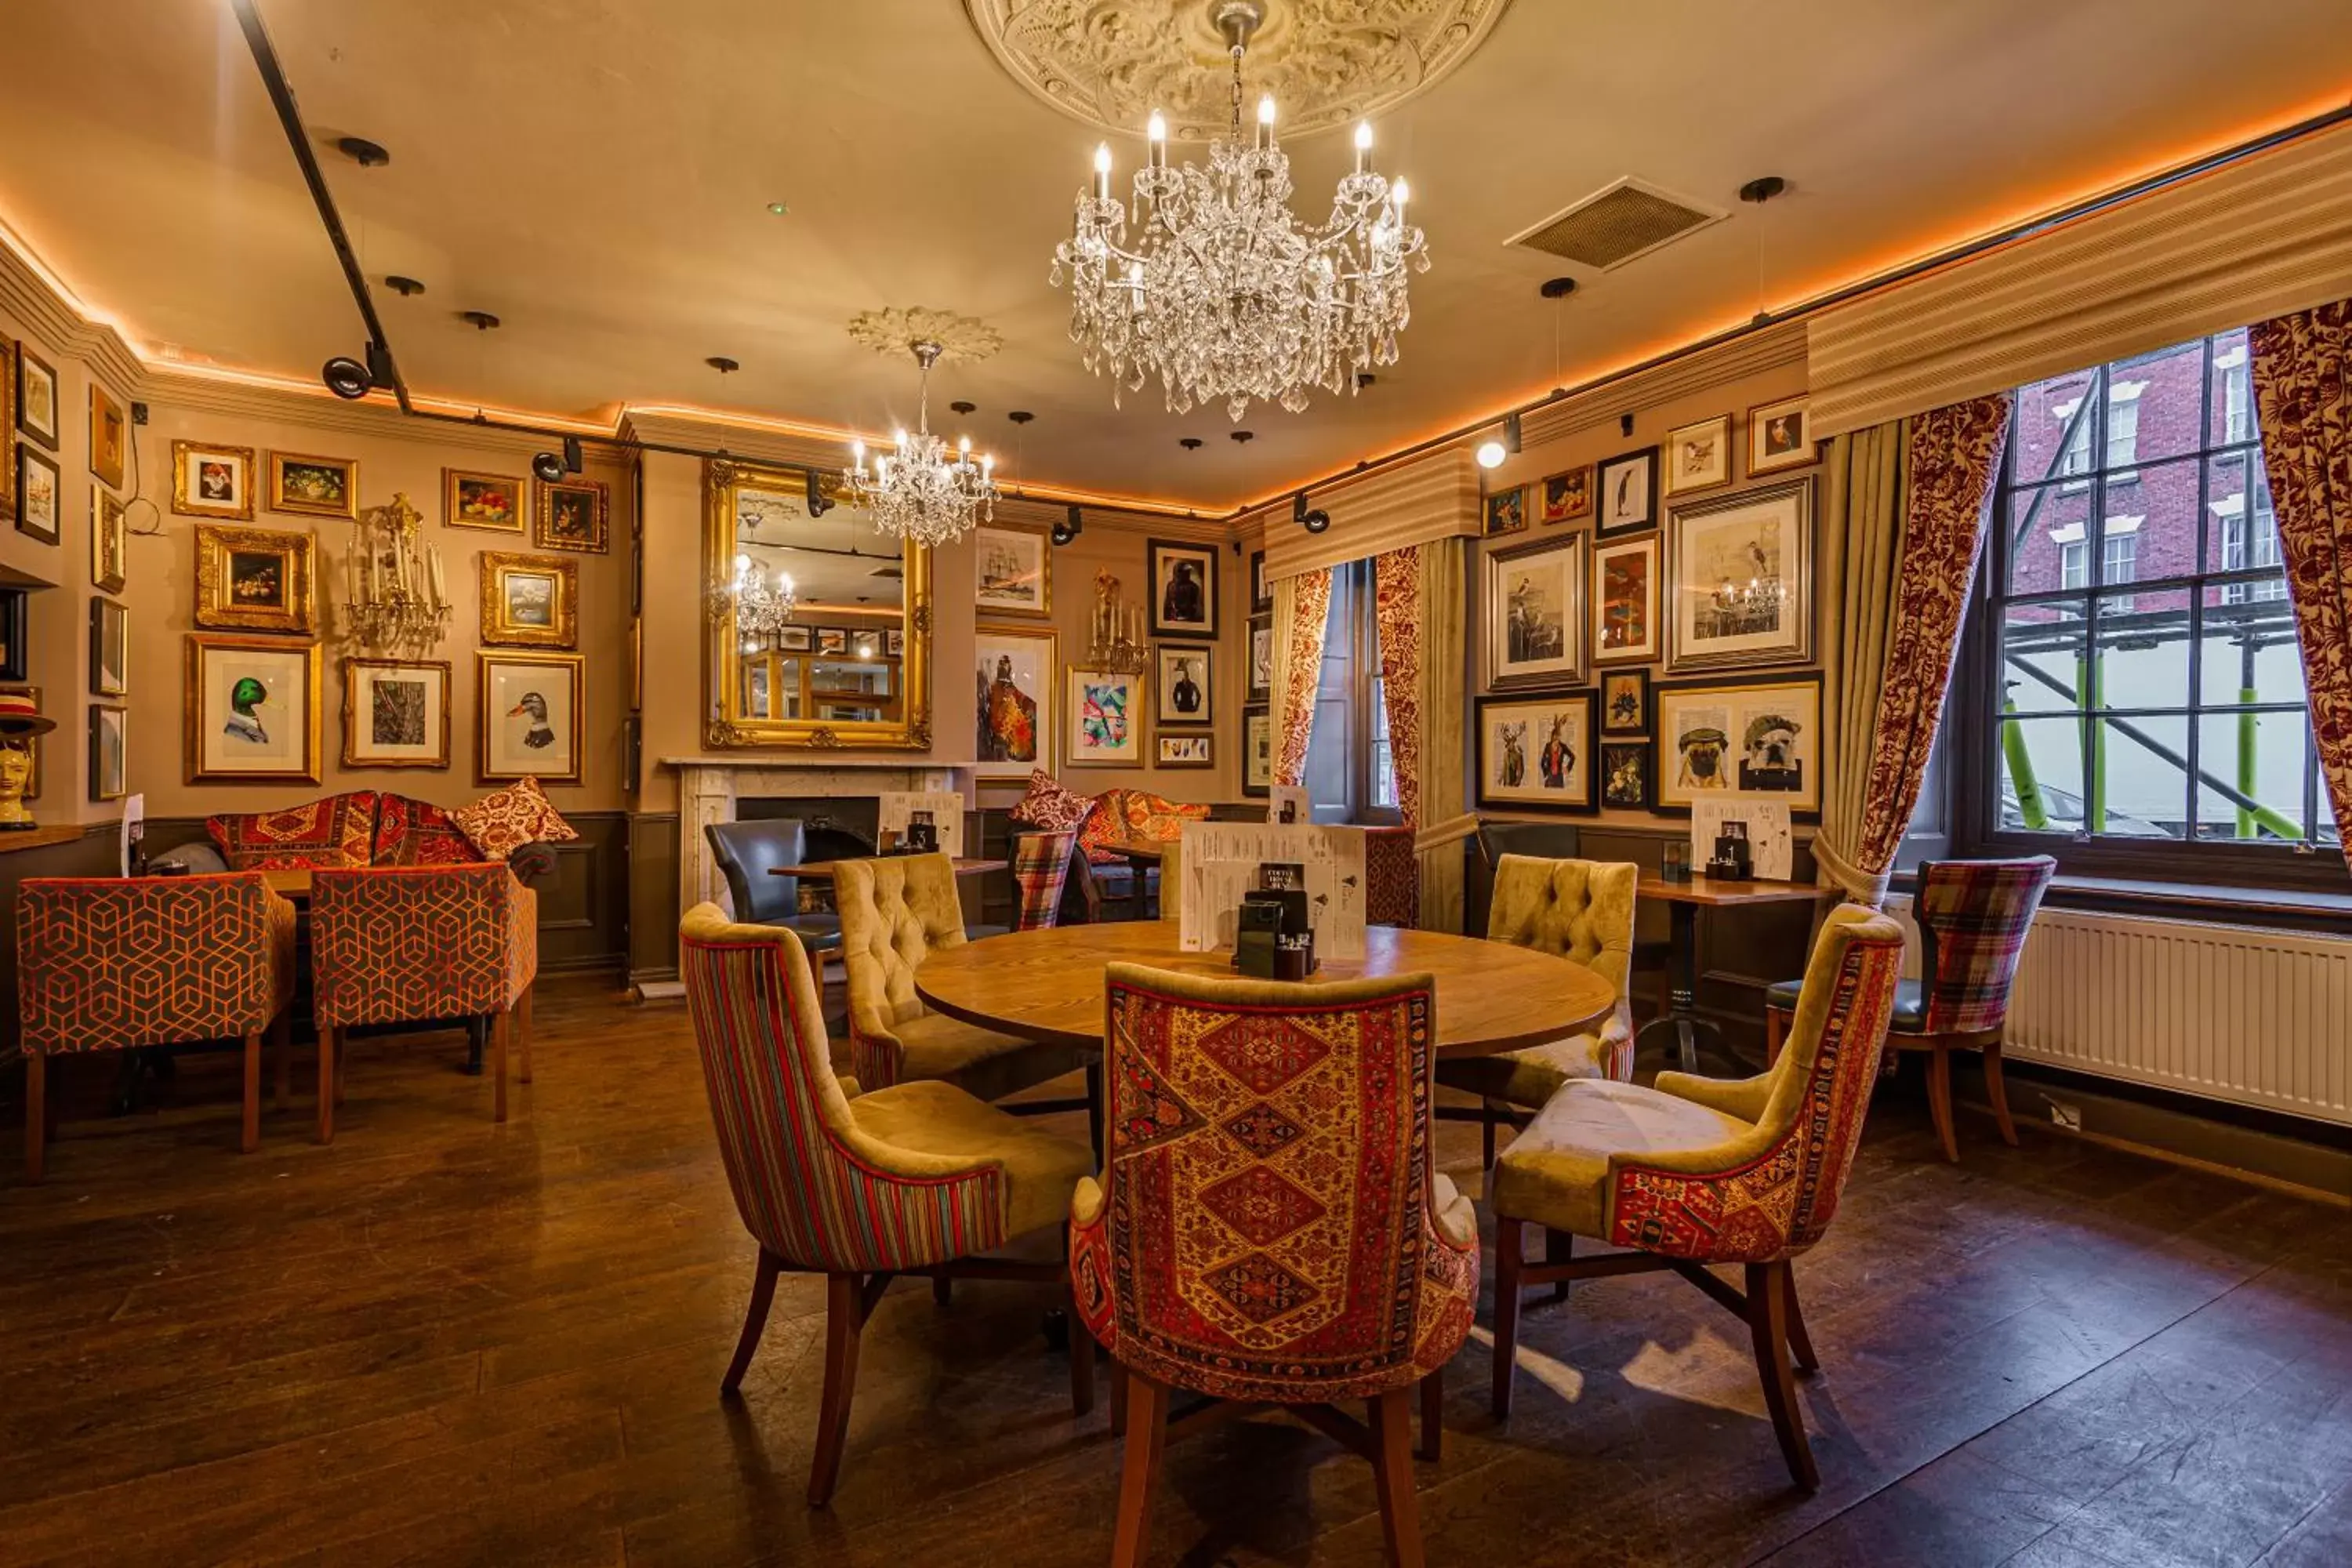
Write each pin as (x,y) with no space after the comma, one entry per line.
(395,599)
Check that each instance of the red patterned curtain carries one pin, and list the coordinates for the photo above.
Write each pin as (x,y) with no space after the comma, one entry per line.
(1302,606)
(1396,595)
(2303,391)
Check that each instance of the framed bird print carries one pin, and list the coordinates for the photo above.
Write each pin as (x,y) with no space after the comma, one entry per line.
(251,707)
(528,716)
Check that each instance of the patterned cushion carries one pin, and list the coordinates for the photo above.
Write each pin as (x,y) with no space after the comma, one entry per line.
(1134,813)
(505,820)
(337,831)
(391,944)
(1051,807)
(418,833)
(1041,869)
(109,963)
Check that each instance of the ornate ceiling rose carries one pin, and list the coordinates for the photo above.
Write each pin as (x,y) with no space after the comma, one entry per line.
(896,329)
(1328,62)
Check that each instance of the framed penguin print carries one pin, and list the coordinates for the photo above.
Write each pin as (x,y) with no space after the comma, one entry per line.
(1627,493)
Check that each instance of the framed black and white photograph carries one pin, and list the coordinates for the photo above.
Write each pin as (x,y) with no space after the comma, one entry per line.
(395,714)
(1012,571)
(1535,613)
(1261,586)
(1539,752)
(1183,589)
(1257,752)
(1759,737)
(1780,435)
(1183,750)
(1624,702)
(1627,493)
(37,397)
(1261,659)
(1184,686)
(1698,456)
(1625,776)
(1741,572)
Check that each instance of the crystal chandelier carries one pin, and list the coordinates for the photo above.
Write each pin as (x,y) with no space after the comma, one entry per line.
(1224,295)
(925,491)
(763,607)
(395,599)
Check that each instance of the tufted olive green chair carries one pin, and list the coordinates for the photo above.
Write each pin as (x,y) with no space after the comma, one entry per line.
(1578,910)
(895,909)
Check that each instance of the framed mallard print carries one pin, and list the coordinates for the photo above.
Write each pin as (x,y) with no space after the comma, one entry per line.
(529,601)
(1780,435)
(253,579)
(251,710)
(528,714)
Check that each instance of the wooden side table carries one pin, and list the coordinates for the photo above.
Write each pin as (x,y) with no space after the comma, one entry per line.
(1684,901)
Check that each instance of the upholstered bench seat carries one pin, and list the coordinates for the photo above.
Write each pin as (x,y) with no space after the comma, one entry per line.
(1910,1014)
(1037,1168)
(1557,1173)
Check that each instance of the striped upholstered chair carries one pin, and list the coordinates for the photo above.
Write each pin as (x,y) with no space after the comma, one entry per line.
(1700,1171)
(421,944)
(1973,917)
(1269,1228)
(1041,871)
(1582,910)
(894,911)
(917,1179)
(111,964)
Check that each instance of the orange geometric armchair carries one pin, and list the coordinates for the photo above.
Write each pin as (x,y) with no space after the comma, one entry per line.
(1268,1228)
(414,945)
(1699,1172)
(114,963)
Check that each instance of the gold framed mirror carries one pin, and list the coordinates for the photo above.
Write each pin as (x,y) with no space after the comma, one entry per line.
(849,667)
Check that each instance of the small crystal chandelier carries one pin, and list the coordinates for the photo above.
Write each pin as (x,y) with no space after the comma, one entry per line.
(763,607)
(925,491)
(395,599)
(1225,294)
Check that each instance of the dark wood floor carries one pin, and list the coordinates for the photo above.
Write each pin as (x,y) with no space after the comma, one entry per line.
(442,1343)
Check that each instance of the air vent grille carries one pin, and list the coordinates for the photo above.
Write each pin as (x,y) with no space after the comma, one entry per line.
(1614,226)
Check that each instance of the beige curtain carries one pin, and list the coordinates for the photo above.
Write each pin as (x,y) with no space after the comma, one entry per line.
(1302,607)
(1862,537)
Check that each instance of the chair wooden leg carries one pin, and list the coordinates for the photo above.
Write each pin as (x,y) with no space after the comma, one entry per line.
(1768,1327)
(1508,1259)
(1996,1091)
(1801,1343)
(281,1050)
(1776,1033)
(1939,1098)
(1117,1398)
(845,1318)
(755,1321)
(1485,1137)
(1432,1417)
(1147,1439)
(1082,1363)
(942,1290)
(36,1115)
(1560,1246)
(501,1031)
(1393,1465)
(327,1089)
(522,1030)
(250,1137)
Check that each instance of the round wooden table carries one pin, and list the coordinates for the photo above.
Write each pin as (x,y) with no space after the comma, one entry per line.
(1047,985)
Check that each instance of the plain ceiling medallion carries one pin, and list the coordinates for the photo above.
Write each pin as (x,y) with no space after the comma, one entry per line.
(892,330)
(1329,62)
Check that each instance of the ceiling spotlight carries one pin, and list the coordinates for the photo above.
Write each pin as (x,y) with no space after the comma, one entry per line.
(1070,527)
(480,321)
(818,505)
(347,378)
(1492,451)
(777,209)
(1314,521)
(367,155)
(722,365)
(548,466)
(404,287)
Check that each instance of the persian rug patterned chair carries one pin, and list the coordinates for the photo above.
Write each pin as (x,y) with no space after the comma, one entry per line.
(895,909)
(1973,918)
(111,964)
(919,1178)
(1391,878)
(1269,1229)
(1702,1172)
(1582,910)
(421,944)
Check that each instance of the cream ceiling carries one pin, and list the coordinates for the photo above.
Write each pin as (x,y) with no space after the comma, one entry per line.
(598,173)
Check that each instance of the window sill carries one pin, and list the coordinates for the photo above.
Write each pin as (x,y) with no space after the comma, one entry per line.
(2220,905)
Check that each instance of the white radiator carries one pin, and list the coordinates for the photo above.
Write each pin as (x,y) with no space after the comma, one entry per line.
(2259,1018)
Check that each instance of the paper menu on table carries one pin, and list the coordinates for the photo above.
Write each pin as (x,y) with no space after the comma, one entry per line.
(1769,844)
(946,806)
(1219,862)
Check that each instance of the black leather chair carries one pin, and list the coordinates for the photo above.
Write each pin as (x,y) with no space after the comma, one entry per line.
(747,851)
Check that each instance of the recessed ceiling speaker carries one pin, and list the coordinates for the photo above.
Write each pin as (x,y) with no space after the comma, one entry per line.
(1070,527)
(817,503)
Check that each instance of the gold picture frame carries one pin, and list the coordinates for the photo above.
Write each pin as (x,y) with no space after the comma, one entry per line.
(572,514)
(250,710)
(254,579)
(507,727)
(512,613)
(209,481)
(109,439)
(307,486)
(497,503)
(410,729)
(109,542)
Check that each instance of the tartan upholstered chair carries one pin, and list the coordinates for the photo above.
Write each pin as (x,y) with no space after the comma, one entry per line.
(1391,878)
(1699,1172)
(919,1178)
(1973,917)
(1269,1228)
(111,964)
(416,945)
(894,911)
(1041,869)
(1582,910)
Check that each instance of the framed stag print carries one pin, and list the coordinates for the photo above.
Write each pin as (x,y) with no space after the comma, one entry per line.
(251,708)
(314,487)
(1017,709)
(1760,738)
(1626,601)
(1627,493)
(1012,571)
(1106,716)
(209,481)
(527,713)
(1539,752)
(493,501)
(253,579)
(1184,685)
(573,514)
(529,601)
(1535,613)
(395,714)
(1183,578)
(1741,571)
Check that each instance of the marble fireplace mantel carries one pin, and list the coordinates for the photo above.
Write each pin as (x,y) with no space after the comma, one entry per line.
(711,784)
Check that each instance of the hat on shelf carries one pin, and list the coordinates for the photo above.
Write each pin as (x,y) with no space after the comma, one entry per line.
(20,715)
